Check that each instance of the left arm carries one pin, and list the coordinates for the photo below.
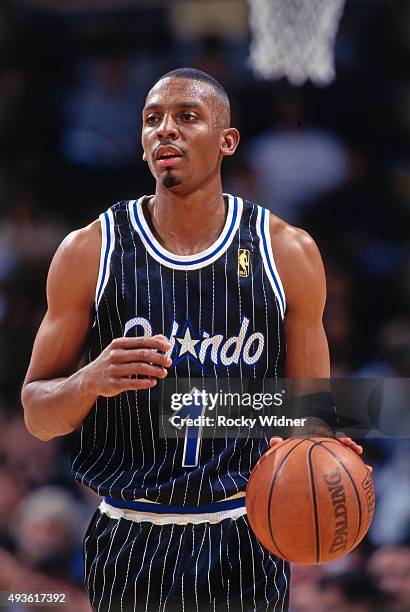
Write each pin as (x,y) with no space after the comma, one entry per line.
(307,354)
(303,276)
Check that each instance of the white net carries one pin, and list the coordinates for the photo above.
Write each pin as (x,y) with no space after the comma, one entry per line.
(294,38)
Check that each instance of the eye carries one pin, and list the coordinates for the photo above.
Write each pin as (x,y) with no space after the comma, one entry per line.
(188,116)
(151,119)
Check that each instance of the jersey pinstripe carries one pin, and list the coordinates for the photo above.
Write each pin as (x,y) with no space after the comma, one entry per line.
(224,316)
(146,567)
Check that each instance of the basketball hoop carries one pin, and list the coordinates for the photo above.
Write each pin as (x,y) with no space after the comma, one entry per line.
(294,38)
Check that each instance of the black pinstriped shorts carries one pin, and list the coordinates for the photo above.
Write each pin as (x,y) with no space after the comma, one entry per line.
(132,566)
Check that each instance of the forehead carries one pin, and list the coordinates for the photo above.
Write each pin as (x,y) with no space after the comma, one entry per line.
(178,91)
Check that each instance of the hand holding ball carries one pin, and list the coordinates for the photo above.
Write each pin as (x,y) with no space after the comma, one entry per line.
(310,500)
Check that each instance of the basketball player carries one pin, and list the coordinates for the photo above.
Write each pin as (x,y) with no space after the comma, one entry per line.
(164,286)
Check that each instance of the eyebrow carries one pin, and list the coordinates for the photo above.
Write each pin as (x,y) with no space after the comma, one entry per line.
(180,104)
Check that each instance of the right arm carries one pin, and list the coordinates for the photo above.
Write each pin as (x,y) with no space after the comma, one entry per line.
(57,394)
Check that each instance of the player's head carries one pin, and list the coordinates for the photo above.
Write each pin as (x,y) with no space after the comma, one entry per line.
(186,129)
(217,91)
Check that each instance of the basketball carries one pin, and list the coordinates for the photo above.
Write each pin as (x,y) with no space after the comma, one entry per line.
(310,500)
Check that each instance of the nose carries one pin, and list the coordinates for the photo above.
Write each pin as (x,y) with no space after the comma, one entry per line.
(167,128)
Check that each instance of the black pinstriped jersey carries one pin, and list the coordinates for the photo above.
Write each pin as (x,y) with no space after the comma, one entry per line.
(223,310)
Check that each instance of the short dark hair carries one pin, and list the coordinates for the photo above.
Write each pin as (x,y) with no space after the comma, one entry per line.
(199,75)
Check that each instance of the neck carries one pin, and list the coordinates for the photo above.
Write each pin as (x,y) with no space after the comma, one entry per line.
(186,224)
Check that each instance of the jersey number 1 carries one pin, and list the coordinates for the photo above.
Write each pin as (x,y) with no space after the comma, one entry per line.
(192,439)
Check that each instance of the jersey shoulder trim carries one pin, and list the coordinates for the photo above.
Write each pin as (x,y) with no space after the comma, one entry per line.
(107,247)
(187,262)
(265,245)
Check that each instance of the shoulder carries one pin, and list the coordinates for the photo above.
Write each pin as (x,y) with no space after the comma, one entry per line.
(82,243)
(298,260)
(74,269)
(290,241)
(81,249)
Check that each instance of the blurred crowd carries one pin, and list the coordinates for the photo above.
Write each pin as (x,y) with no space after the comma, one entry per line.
(333,161)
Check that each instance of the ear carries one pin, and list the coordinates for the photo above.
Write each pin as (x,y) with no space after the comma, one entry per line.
(230,140)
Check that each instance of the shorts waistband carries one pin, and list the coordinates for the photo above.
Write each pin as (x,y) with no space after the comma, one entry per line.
(156,508)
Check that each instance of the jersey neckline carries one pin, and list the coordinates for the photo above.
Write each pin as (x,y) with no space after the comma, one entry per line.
(187,262)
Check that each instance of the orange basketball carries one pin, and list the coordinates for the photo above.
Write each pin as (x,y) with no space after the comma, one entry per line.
(310,500)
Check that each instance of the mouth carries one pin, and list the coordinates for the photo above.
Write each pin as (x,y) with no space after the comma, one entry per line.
(170,160)
(168,156)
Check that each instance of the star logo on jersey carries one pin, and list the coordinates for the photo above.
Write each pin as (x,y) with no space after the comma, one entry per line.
(243,262)
(187,344)
(246,346)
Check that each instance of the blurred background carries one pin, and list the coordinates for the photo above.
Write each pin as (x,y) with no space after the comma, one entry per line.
(333,160)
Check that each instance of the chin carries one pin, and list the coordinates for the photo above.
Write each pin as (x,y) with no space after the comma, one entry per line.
(170,181)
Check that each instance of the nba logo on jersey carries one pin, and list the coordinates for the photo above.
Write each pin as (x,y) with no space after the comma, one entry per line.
(243,262)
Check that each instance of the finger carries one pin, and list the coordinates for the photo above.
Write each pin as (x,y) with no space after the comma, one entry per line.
(356,447)
(274,441)
(136,384)
(137,355)
(139,368)
(343,438)
(153,342)
(351,444)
